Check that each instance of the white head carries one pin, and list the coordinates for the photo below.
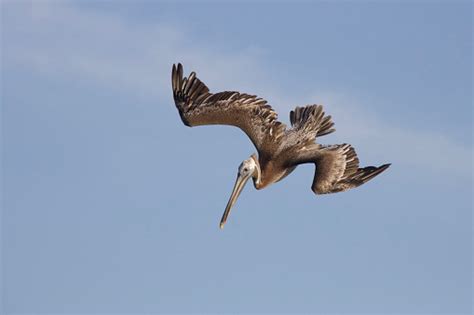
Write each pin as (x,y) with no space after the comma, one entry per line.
(247,169)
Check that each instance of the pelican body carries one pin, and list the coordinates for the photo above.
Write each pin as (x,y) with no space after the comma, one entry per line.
(279,149)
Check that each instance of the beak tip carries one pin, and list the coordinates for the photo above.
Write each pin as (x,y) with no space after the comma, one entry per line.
(221,225)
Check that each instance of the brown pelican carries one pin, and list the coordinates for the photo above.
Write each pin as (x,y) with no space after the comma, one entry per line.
(279,149)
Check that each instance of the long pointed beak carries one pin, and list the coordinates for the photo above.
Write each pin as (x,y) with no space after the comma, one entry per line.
(238,186)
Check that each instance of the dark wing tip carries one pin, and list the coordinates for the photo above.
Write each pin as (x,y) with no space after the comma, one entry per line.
(177,67)
(176,77)
(384,167)
(188,92)
(367,173)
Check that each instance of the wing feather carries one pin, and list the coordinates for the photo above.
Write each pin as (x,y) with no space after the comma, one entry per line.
(197,106)
(337,168)
(308,123)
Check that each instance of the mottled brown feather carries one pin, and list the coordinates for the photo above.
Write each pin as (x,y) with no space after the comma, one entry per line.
(337,167)
(307,123)
(253,115)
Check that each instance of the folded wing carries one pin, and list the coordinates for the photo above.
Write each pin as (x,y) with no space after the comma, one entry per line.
(337,168)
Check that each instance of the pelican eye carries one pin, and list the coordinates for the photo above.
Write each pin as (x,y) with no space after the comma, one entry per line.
(246,169)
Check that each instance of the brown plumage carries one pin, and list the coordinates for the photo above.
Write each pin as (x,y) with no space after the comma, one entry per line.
(279,149)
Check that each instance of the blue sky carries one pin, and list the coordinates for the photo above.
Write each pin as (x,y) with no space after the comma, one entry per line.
(111,204)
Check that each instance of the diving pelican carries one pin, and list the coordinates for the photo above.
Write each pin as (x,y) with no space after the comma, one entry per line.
(280,150)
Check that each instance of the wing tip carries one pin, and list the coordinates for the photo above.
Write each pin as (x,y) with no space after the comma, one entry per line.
(366,176)
(176,76)
(384,167)
(177,67)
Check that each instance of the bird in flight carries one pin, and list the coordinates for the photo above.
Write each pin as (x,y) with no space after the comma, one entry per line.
(280,149)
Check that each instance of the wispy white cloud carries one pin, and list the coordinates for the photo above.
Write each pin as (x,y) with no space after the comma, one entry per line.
(60,39)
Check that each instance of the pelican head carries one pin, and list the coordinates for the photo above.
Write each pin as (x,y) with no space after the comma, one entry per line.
(247,169)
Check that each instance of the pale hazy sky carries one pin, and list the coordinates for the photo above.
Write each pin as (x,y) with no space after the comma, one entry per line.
(111,204)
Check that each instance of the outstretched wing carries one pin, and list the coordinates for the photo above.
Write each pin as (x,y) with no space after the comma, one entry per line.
(337,168)
(253,115)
